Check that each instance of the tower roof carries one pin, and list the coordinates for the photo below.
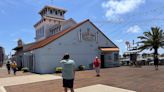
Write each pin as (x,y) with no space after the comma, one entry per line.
(51,7)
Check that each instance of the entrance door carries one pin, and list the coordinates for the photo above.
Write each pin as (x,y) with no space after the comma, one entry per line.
(102,61)
(20,61)
(31,63)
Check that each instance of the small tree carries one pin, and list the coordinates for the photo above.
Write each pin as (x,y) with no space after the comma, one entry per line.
(152,40)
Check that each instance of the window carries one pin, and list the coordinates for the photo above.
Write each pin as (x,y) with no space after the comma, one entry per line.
(51,11)
(36,33)
(97,37)
(40,32)
(116,57)
(43,30)
(61,13)
(55,29)
(52,32)
(79,35)
(109,57)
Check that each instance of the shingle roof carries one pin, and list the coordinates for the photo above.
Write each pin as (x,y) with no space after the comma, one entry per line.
(50,39)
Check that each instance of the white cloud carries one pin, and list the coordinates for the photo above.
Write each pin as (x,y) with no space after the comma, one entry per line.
(134,29)
(117,7)
(119,40)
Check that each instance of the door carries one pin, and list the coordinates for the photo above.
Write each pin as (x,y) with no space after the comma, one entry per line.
(31,63)
(102,61)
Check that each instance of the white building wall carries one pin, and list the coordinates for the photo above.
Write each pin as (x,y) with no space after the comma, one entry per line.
(83,52)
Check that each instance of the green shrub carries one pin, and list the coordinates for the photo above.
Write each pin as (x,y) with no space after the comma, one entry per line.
(19,68)
(58,69)
(81,67)
(25,69)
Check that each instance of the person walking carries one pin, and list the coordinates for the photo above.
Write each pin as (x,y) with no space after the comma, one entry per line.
(8,66)
(96,65)
(14,67)
(68,72)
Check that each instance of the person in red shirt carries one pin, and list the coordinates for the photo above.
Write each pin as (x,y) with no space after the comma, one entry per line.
(96,65)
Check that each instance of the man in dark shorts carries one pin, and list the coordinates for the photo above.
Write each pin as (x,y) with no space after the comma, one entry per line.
(68,72)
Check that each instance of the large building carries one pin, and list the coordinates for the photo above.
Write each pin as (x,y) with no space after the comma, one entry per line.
(2,55)
(56,36)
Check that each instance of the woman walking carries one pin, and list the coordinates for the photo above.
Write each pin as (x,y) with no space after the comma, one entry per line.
(14,67)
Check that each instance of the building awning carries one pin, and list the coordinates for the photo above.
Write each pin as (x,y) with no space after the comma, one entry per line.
(108,49)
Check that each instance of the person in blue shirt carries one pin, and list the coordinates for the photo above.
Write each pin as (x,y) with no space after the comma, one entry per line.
(68,72)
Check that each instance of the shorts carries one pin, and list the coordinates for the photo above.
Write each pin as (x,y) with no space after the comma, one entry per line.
(68,83)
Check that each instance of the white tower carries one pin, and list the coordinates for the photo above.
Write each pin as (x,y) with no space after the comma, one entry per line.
(50,17)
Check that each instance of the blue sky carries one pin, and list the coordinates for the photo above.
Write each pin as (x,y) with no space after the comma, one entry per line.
(120,20)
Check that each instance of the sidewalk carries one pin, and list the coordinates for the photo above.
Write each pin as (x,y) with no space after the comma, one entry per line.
(10,81)
(2,89)
(18,80)
(101,88)
(4,73)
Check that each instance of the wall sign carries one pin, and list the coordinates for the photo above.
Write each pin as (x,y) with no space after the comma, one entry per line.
(88,36)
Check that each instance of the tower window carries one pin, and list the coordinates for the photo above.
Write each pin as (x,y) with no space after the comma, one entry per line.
(61,13)
(51,11)
(56,12)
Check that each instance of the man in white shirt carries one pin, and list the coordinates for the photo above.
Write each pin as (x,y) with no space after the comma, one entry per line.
(68,72)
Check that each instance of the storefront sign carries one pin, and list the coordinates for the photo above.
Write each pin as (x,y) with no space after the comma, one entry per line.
(88,36)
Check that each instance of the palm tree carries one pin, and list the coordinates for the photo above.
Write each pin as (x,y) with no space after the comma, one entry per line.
(152,40)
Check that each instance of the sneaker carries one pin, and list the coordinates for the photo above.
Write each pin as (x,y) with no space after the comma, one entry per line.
(98,75)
